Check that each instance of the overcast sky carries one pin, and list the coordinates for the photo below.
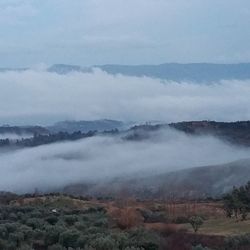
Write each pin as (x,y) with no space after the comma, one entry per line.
(88,32)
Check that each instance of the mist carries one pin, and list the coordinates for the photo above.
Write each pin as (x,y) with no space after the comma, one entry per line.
(102,158)
(40,97)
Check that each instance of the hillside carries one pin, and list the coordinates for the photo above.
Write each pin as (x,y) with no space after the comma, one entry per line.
(201,182)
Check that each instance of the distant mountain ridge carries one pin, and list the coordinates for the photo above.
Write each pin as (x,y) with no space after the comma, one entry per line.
(86,126)
(197,72)
(190,72)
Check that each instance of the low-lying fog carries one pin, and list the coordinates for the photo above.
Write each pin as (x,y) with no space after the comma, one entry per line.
(101,158)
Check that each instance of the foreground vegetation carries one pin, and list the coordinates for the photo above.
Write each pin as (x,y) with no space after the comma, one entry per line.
(56,223)
(59,222)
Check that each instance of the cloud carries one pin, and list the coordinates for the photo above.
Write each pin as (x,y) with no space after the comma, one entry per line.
(102,158)
(15,12)
(97,95)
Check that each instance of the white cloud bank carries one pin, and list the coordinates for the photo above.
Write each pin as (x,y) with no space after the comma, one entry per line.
(100,158)
(99,95)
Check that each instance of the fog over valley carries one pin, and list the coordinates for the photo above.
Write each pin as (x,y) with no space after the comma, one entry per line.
(101,158)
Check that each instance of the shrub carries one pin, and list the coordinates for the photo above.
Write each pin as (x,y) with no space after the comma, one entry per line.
(127,218)
(3,232)
(200,247)
(143,239)
(52,236)
(38,234)
(34,223)
(82,241)
(25,247)
(56,247)
(69,238)
(80,226)
(11,227)
(122,239)
(153,216)
(52,219)
(70,219)
(196,222)
(27,232)
(133,248)
(104,243)
(16,238)
(3,245)
(235,242)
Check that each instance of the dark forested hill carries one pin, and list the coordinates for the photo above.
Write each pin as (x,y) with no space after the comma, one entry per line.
(233,132)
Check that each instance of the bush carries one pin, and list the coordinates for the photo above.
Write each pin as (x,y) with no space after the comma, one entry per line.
(144,239)
(27,232)
(38,234)
(3,232)
(34,223)
(153,216)
(52,236)
(56,247)
(104,243)
(25,247)
(52,219)
(81,226)
(235,242)
(11,227)
(69,238)
(200,247)
(3,245)
(70,219)
(82,241)
(133,248)
(196,222)
(16,238)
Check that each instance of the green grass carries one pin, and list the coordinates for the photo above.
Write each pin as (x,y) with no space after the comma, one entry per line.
(223,226)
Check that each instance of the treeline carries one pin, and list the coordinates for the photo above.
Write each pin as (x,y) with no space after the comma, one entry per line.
(237,203)
(42,139)
(39,139)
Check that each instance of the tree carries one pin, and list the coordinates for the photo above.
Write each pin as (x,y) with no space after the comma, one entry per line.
(238,202)
(196,222)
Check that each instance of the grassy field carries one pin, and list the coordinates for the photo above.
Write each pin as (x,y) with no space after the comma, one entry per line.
(223,226)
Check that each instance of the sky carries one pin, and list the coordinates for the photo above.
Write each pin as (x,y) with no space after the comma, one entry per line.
(89,32)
